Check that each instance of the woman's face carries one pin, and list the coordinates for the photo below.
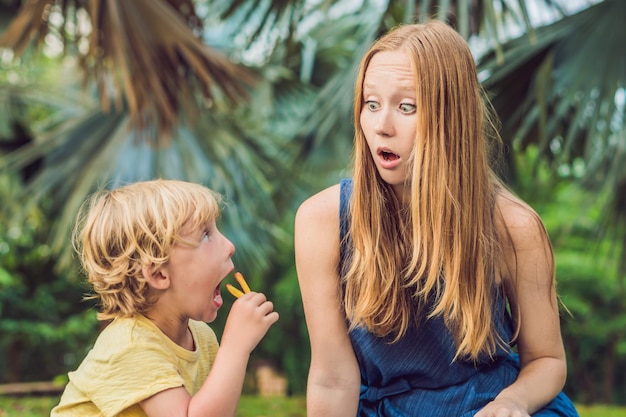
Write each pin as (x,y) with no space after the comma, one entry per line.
(389,115)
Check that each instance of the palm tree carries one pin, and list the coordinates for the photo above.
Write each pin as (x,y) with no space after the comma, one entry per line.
(175,102)
(164,103)
(253,98)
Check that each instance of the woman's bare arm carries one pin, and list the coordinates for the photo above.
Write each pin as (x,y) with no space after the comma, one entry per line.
(529,274)
(334,379)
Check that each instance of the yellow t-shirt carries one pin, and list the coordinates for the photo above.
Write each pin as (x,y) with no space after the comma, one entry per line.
(131,361)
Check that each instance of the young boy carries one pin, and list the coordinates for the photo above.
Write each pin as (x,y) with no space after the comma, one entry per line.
(156,260)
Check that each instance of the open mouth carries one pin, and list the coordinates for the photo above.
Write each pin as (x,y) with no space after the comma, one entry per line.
(388,156)
(217,297)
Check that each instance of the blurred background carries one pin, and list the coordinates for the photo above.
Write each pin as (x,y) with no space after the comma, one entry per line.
(253,99)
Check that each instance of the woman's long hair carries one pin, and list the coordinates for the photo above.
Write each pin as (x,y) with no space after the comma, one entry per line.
(443,246)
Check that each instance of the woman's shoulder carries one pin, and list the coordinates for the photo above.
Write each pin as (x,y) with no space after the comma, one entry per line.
(518,221)
(316,232)
(322,206)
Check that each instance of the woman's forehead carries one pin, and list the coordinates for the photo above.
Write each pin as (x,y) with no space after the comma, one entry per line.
(390,67)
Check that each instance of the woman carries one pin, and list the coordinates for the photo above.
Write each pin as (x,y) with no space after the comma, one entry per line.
(420,273)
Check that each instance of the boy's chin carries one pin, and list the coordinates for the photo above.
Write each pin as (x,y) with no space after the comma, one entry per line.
(210,317)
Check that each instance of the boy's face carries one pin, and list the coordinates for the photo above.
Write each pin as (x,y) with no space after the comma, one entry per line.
(197,272)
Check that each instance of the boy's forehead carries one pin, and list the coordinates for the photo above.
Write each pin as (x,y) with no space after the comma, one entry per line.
(194,224)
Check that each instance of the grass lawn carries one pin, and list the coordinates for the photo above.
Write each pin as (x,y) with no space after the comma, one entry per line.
(601,411)
(248,407)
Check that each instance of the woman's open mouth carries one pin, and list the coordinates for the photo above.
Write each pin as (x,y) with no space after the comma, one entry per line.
(388,156)
(387,159)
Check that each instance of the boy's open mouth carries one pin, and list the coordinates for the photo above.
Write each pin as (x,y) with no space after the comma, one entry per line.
(217,297)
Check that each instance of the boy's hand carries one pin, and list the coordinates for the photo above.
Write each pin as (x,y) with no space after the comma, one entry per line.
(248,321)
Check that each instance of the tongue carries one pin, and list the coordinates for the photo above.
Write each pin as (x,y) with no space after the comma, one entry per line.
(388,156)
(217,298)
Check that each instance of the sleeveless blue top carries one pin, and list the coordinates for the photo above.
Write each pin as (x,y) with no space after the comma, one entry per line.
(416,376)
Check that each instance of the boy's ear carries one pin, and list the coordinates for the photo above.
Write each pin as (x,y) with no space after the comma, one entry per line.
(156,278)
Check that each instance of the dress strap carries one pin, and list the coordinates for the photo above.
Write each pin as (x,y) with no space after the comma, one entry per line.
(345,194)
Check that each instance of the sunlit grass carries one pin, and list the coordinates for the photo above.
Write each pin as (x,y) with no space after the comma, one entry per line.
(249,406)
(26,406)
(601,411)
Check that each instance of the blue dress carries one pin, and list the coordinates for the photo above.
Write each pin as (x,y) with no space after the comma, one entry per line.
(416,377)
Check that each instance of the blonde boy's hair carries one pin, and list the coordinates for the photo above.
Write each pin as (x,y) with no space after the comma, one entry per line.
(119,231)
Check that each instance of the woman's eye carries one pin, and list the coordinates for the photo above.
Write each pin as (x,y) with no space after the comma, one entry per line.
(407,108)
(372,105)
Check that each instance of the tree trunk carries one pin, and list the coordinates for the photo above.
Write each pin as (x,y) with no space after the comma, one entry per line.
(14,358)
(608,382)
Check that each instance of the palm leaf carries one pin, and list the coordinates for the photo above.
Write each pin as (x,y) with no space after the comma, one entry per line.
(100,150)
(561,93)
(143,54)
(338,44)
(243,154)
(259,17)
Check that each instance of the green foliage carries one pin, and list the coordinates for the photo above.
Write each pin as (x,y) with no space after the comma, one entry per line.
(301,107)
(42,323)
(286,345)
(591,287)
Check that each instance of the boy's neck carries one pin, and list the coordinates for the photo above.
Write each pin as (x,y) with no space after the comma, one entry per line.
(177,330)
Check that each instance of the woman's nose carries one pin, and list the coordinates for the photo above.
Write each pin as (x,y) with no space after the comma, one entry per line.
(384,123)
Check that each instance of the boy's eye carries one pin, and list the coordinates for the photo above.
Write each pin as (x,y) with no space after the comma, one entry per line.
(205,236)
(407,108)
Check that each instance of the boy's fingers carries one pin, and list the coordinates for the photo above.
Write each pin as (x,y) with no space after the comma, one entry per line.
(242,282)
(272,317)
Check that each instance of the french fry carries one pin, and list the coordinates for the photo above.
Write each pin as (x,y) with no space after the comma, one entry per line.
(234,291)
(244,286)
(242,282)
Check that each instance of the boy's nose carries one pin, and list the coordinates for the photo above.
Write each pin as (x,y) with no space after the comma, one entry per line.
(230,247)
